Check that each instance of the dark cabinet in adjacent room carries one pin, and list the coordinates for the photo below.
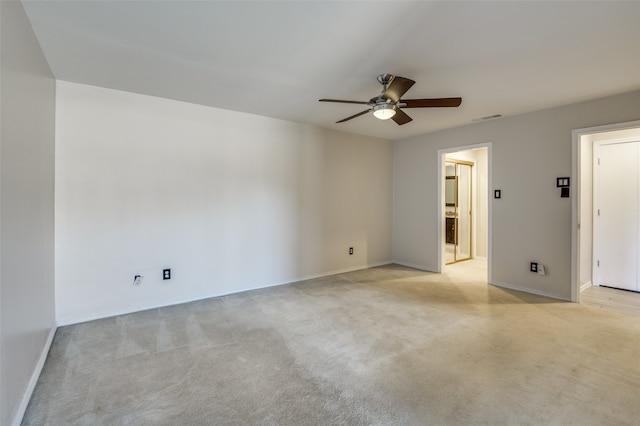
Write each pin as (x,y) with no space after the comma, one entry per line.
(451,230)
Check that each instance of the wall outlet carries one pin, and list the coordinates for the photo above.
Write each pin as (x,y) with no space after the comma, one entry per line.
(137,279)
(541,270)
(350,251)
(166,274)
(533,267)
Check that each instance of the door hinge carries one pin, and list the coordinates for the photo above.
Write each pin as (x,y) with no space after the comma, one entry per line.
(598,161)
(598,262)
(598,212)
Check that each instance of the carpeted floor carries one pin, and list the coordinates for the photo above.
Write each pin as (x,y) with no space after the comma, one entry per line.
(384,346)
(611,299)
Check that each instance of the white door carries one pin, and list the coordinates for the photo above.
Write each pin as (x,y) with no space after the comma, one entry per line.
(616,215)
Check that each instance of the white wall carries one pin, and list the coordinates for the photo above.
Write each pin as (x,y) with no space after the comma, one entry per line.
(530,222)
(228,201)
(27,112)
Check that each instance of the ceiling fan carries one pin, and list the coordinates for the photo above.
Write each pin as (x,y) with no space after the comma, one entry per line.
(388,103)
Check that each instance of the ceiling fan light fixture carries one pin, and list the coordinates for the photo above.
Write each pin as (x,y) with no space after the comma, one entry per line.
(384,111)
(389,103)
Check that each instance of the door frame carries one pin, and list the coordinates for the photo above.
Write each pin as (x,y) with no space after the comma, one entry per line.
(577,167)
(440,205)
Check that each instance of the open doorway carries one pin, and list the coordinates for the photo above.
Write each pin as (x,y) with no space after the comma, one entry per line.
(589,195)
(464,208)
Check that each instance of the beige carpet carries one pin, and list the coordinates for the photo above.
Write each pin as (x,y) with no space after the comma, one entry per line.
(384,346)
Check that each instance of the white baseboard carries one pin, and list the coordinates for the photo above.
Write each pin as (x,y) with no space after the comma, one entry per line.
(585,286)
(34,378)
(108,314)
(529,290)
(416,266)
(336,272)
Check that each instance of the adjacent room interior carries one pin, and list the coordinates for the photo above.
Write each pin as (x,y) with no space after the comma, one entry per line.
(189,236)
(466,207)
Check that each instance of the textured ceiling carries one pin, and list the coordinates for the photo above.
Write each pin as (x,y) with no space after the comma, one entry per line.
(278,58)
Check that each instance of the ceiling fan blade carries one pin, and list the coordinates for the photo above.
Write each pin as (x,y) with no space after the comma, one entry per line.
(353,116)
(344,102)
(397,88)
(432,103)
(401,117)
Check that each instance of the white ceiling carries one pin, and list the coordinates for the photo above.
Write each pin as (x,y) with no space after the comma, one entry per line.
(277,58)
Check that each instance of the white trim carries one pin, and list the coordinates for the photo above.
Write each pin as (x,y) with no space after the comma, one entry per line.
(585,286)
(109,314)
(416,266)
(441,221)
(22,408)
(529,290)
(629,139)
(595,180)
(576,136)
(440,198)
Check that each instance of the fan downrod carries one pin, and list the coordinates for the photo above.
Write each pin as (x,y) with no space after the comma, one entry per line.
(385,80)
